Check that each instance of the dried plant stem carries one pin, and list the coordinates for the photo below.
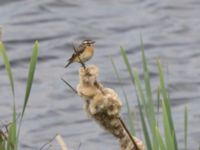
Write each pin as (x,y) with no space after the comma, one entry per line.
(69,85)
(43,146)
(61,142)
(129,134)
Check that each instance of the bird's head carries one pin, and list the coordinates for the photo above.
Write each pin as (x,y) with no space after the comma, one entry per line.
(88,42)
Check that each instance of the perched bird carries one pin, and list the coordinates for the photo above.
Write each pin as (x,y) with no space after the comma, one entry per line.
(83,53)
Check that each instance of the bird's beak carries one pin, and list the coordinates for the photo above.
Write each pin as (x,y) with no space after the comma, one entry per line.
(92,42)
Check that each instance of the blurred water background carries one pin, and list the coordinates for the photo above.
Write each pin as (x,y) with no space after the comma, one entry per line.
(170,30)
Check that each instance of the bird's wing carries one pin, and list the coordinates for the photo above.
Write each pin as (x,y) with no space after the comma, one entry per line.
(81,48)
(78,51)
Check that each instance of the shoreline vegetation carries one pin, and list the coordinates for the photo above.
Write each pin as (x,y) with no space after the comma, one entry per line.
(152,131)
(103,105)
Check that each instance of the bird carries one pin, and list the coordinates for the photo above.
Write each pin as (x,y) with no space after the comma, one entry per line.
(83,52)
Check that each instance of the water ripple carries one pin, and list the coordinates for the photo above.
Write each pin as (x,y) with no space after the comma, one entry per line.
(170,31)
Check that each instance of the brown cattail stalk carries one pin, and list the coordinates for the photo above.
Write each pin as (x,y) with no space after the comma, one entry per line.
(103,105)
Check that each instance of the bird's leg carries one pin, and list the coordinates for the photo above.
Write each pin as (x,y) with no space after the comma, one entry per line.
(75,50)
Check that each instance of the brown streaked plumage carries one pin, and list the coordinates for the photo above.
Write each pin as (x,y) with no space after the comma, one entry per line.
(83,53)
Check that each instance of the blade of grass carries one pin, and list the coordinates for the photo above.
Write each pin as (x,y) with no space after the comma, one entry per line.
(148,105)
(158,99)
(167,129)
(158,105)
(146,74)
(185,126)
(7,66)
(160,140)
(0,33)
(166,100)
(31,72)
(130,120)
(164,93)
(149,102)
(123,53)
(12,134)
(144,124)
(11,137)
(131,74)
(2,145)
(140,96)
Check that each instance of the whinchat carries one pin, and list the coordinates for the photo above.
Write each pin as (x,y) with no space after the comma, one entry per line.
(84,52)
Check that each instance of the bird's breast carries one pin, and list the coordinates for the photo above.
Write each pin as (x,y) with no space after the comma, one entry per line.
(88,53)
(85,55)
(90,50)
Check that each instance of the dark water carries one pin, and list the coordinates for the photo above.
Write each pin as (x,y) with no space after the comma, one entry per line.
(170,30)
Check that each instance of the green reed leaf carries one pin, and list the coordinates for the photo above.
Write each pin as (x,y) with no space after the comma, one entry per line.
(31,72)
(166,101)
(185,126)
(130,117)
(7,66)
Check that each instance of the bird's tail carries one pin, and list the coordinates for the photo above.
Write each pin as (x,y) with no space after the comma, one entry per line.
(68,64)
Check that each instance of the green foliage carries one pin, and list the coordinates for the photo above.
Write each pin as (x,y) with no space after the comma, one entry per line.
(185,127)
(151,131)
(140,96)
(8,142)
(30,75)
(7,66)
(9,137)
(130,118)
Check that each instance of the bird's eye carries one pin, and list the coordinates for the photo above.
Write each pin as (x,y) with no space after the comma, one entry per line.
(88,42)
(85,42)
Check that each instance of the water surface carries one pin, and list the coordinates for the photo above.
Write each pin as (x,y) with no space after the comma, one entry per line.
(170,30)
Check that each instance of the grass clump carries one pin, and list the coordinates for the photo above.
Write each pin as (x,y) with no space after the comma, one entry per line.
(9,134)
(153,136)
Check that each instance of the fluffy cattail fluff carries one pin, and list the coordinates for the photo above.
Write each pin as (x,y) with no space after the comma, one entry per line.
(103,104)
